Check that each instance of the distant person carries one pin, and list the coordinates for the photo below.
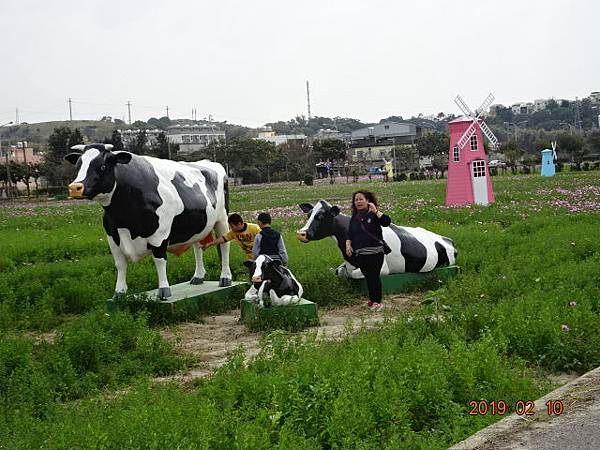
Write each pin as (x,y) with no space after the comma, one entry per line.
(365,241)
(242,232)
(269,241)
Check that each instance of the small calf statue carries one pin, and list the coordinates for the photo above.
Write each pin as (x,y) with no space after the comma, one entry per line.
(270,277)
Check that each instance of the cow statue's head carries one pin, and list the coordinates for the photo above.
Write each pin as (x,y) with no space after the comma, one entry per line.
(265,268)
(95,169)
(320,221)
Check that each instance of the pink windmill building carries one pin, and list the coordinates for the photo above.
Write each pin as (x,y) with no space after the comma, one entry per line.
(468,173)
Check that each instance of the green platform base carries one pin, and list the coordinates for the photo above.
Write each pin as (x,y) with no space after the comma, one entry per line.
(294,316)
(406,282)
(207,297)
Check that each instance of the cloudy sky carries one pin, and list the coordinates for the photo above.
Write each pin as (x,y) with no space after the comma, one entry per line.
(247,62)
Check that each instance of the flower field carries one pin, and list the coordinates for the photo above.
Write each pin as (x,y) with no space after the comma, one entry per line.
(526,305)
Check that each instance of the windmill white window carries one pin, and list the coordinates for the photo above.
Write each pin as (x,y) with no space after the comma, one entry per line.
(456,153)
(478,169)
(473,143)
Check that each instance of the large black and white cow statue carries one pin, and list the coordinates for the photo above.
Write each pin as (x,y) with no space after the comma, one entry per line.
(271,278)
(413,249)
(153,205)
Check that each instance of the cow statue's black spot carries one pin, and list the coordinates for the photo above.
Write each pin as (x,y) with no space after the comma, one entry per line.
(414,253)
(193,218)
(212,183)
(133,205)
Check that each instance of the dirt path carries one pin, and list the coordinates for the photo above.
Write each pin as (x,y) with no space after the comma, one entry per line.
(211,341)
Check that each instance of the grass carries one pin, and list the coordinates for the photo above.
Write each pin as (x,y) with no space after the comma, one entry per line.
(525,303)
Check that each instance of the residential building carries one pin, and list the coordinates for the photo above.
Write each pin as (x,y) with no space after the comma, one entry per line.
(265,132)
(522,108)
(324,134)
(18,154)
(370,145)
(540,104)
(194,137)
(595,98)
(279,139)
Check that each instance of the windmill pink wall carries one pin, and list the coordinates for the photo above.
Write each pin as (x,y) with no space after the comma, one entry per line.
(459,189)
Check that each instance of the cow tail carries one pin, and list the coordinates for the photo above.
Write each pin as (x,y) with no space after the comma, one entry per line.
(226,192)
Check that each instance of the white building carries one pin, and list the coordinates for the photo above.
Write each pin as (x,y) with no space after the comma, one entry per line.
(192,138)
(279,139)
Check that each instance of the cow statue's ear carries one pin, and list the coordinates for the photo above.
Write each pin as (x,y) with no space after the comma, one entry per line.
(72,158)
(306,207)
(122,157)
(334,211)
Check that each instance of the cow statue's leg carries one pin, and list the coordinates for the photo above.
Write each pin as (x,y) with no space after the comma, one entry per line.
(221,227)
(345,270)
(121,265)
(251,294)
(385,269)
(159,255)
(200,272)
(356,274)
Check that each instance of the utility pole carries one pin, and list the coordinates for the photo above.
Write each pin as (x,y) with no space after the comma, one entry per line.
(129,110)
(23,146)
(577,116)
(70,111)
(8,182)
(308,98)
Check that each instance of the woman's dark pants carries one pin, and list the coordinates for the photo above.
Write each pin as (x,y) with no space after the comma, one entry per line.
(370,266)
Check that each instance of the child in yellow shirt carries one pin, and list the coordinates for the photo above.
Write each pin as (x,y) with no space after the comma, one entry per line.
(242,232)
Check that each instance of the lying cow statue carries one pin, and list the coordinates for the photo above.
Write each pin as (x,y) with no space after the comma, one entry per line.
(413,249)
(153,205)
(276,281)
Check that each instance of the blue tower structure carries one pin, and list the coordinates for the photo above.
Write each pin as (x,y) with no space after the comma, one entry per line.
(548,157)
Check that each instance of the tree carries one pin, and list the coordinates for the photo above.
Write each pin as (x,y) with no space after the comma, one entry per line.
(245,156)
(116,141)
(432,144)
(163,123)
(572,145)
(593,140)
(161,149)
(513,153)
(552,105)
(76,138)
(330,150)
(59,145)
(138,146)
(408,157)
(439,163)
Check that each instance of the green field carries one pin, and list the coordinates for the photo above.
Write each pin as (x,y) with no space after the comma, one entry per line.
(525,305)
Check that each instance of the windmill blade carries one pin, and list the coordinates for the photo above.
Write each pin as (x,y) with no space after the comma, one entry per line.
(463,106)
(466,136)
(488,133)
(486,103)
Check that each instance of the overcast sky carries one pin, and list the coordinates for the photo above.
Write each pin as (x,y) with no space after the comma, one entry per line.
(247,62)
